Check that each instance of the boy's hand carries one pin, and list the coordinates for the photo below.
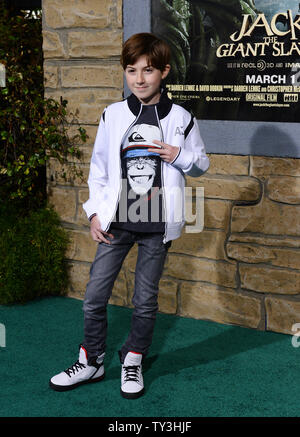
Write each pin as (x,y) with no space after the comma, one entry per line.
(97,233)
(167,153)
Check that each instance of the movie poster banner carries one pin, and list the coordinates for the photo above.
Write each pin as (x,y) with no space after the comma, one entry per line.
(233,59)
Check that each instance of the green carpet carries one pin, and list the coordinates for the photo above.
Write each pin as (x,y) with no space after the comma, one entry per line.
(195,368)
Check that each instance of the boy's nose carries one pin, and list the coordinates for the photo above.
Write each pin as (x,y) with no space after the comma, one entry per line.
(140,78)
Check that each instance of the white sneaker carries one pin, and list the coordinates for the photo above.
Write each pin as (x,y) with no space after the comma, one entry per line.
(78,374)
(132,384)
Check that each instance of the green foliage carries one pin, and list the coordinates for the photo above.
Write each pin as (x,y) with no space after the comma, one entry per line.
(33,129)
(32,255)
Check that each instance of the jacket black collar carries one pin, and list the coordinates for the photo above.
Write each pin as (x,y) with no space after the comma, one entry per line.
(163,107)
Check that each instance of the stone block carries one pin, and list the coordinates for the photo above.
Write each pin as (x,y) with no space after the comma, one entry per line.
(85,104)
(269,279)
(91,132)
(282,314)
(267,217)
(250,253)
(262,166)
(50,76)
(56,170)
(64,202)
(79,277)
(266,240)
(207,302)
(196,269)
(83,195)
(286,258)
(285,189)
(240,188)
(167,296)
(85,158)
(53,46)
(216,213)
(79,13)
(119,11)
(207,244)
(91,76)
(99,45)
(228,165)
(82,247)
(81,218)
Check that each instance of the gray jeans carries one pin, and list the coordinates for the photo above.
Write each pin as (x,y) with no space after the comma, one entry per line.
(104,270)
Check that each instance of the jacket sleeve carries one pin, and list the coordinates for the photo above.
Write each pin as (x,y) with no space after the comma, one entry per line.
(97,179)
(192,158)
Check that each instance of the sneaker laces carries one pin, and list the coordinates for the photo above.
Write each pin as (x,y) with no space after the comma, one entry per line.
(131,373)
(75,368)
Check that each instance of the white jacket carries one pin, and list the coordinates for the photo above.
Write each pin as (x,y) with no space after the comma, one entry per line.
(178,128)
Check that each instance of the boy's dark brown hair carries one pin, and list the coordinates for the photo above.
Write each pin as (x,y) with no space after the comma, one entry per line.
(156,50)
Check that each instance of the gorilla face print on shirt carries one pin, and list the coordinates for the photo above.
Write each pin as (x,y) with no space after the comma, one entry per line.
(141,165)
(141,173)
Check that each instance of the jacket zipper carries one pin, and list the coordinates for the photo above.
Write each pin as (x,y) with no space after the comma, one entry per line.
(162,177)
(120,184)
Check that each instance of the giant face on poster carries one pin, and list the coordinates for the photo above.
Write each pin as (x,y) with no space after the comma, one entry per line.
(233,59)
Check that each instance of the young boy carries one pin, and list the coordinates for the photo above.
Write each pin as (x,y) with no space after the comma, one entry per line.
(144,146)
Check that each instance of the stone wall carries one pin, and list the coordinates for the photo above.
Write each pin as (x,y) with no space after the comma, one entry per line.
(244,268)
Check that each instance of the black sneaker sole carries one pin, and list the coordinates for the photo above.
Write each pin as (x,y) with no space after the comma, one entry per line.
(71,387)
(132,395)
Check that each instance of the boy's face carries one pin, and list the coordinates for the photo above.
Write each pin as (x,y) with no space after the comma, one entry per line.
(144,81)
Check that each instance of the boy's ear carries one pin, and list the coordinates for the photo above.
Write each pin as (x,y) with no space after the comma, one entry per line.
(166,71)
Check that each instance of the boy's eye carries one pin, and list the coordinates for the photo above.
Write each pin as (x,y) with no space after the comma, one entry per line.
(146,69)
